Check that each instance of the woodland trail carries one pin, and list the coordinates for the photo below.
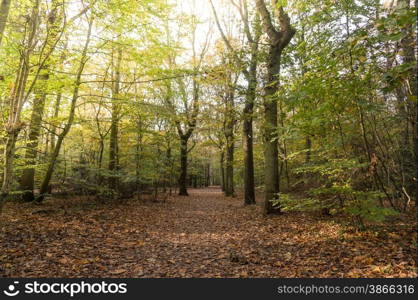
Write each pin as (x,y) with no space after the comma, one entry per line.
(203,235)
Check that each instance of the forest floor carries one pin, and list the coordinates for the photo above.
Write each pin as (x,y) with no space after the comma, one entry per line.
(203,235)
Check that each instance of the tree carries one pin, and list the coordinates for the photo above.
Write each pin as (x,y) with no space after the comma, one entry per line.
(278,39)
(184,101)
(186,126)
(250,73)
(18,97)
(55,18)
(114,126)
(77,82)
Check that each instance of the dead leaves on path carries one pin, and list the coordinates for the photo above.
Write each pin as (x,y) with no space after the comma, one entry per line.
(204,235)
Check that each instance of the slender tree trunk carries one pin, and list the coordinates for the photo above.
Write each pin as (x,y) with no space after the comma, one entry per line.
(408,44)
(183,167)
(114,128)
(184,138)
(51,165)
(229,174)
(4,13)
(251,76)
(53,127)
(222,169)
(308,146)
(9,153)
(249,191)
(100,161)
(28,177)
(138,151)
(208,177)
(285,164)
(229,164)
(250,97)
(229,125)
(16,101)
(167,172)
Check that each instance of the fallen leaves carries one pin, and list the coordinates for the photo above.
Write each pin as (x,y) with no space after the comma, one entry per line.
(363,259)
(64,261)
(288,256)
(118,271)
(204,235)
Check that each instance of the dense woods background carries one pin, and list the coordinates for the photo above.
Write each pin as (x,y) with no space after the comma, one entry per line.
(305,106)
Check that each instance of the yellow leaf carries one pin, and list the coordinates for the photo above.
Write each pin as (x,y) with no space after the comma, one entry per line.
(243,274)
(64,260)
(118,271)
(288,256)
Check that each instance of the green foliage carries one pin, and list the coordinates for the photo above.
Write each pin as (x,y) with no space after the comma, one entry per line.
(364,206)
(361,206)
(336,193)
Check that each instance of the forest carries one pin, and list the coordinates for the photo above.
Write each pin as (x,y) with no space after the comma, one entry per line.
(208,138)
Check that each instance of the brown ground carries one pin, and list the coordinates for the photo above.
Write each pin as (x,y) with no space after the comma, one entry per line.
(204,235)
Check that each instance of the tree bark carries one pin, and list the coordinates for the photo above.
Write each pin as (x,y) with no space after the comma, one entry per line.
(408,56)
(251,77)
(114,129)
(183,166)
(250,97)
(229,125)
(184,136)
(27,180)
(16,101)
(4,13)
(9,153)
(222,169)
(229,170)
(249,190)
(28,177)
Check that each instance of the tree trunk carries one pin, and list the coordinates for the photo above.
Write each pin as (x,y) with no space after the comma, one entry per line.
(249,191)
(229,170)
(278,40)
(51,166)
(229,125)
(168,167)
(53,127)
(250,97)
(408,56)
(251,76)
(183,167)
(222,169)
(28,177)
(100,161)
(138,152)
(9,153)
(271,155)
(17,98)
(4,13)
(114,129)
(308,146)
(208,177)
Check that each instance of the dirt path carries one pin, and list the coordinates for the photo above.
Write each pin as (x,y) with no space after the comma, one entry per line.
(204,235)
